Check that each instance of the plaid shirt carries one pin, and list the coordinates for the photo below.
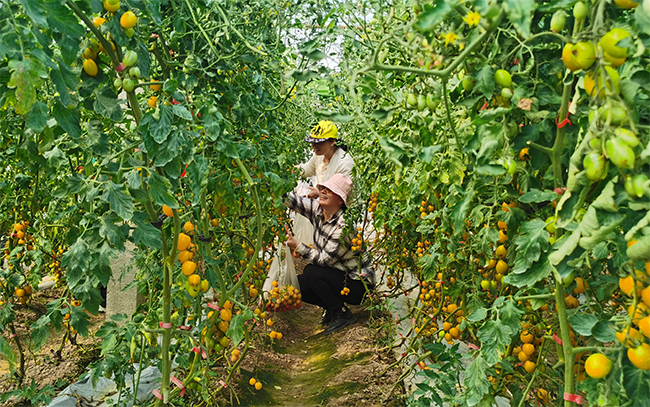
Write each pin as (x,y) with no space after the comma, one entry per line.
(329,251)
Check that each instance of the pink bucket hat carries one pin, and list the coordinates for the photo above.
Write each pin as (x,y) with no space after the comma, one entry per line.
(340,184)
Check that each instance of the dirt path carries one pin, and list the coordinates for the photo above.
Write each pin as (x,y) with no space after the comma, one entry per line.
(308,368)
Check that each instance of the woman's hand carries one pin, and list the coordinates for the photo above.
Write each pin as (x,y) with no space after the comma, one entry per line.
(313,193)
(291,241)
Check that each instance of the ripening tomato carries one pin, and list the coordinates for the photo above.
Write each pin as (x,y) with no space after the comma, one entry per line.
(598,366)
(111,7)
(627,4)
(90,67)
(579,56)
(605,87)
(128,20)
(595,166)
(610,40)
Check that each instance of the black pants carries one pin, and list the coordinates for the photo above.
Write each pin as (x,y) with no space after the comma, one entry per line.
(322,286)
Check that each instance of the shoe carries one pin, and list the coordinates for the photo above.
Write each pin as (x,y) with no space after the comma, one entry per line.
(326,318)
(340,320)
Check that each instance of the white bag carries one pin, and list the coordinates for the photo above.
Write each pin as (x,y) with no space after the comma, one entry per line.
(281,287)
(303,230)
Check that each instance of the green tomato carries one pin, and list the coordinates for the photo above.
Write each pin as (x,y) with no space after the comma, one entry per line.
(568,279)
(629,186)
(224,341)
(595,166)
(441,334)
(550,224)
(596,144)
(503,78)
(617,115)
(558,21)
(580,11)
(510,165)
(130,32)
(128,84)
(432,103)
(627,136)
(493,284)
(422,102)
(552,240)
(411,100)
(619,153)
(117,83)
(134,72)
(468,83)
(130,58)
(581,214)
(506,93)
(609,41)
(217,347)
(639,185)
(113,2)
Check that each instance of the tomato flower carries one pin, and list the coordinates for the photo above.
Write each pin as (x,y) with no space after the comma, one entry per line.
(472,18)
(450,38)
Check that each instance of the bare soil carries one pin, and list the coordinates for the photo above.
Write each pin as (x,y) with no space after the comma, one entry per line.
(54,364)
(305,368)
(308,368)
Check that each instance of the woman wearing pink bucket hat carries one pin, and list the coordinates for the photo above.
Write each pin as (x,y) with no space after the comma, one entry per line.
(333,265)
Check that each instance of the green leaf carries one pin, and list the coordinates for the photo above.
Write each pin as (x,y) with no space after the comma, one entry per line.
(568,245)
(59,18)
(107,104)
(79,319)
(145,233)
(304,75)
(121,203)
(494,337)
(476,381)
(533,274)
(35,11)
(40,332)
(65,79)
(153,6)
(159,189)
(8,353)
(603,331)
(236,329)
(182,112)
(637,385)
(76,261)
(491,170)
(520,13)
(642,20)
(640,250)
(478,315)
(605,200)
(531,240)
(429,152)
(485,81)
(537,196)
(432,15)
(133,178)
(488,115)
(583,323)
(68,119)
(161,128)
(37,117)
(510,314)
(116,235)
(459,214)
(25,78)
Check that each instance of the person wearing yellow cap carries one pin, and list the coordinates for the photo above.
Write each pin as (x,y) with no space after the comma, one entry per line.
(330,157)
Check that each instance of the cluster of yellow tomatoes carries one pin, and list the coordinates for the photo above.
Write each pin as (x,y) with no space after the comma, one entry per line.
(284,298)
(636,334)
